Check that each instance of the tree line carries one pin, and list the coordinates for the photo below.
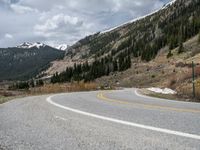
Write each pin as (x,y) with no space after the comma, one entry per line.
(89,72)
(25,85)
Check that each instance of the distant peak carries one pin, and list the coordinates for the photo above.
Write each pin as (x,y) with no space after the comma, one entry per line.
(31,45)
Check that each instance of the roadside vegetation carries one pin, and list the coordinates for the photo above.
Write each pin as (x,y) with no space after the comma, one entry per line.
(6,95)
(62,88)
(28,88)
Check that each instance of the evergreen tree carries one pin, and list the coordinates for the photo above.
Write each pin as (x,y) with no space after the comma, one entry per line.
(199,37)
(22,85)
(181,48)
(129,62)
(32,84)
(39,83)
(55,78)
(172,43)
(169,54)
(115,65)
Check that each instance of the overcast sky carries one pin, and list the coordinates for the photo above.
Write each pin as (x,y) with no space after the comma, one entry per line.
(57,22)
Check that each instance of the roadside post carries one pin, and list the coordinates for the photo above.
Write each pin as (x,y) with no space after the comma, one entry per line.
(193,79)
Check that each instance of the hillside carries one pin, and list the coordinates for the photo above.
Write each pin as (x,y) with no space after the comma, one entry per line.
(26,61)
(167,28)
(174,72)
(161,47)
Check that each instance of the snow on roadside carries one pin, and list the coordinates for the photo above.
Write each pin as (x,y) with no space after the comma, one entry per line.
(162,91)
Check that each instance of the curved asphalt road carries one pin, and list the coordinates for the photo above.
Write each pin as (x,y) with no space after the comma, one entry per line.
(99,120)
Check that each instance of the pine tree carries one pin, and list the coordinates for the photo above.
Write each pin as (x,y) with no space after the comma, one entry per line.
(199,37)
(115,65)
(129,62)
(181,48)
(172,43)
(22,85)
(169,54)
(32,84)
(39,83)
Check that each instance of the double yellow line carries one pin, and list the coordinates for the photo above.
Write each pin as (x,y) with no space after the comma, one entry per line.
(102,96)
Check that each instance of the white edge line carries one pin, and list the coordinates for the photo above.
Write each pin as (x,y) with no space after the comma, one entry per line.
(140,95)
(145,96)
(167,131)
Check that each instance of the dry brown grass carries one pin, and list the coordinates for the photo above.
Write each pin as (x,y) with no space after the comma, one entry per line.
(186,90)
(6,95)
(198,89)
(61,88)
(197,71)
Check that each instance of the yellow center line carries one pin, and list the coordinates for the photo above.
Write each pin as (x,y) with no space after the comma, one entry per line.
(104,98)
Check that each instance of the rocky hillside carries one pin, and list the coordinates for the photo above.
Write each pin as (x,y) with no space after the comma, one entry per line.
(26,60)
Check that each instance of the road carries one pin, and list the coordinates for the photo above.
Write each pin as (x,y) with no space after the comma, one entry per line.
(100,120)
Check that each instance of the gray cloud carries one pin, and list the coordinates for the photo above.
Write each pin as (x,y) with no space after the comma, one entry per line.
(65,21)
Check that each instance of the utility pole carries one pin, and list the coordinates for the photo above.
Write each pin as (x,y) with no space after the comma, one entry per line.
(193,79)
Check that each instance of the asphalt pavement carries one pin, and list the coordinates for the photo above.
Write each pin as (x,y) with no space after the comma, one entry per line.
(99,120)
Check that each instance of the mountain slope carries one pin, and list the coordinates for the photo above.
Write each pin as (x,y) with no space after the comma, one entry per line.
(26,60)
(155,31)
(144,38)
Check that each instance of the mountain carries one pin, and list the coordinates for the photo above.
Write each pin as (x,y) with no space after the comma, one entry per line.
(26,60)
(141,40)
(144,37)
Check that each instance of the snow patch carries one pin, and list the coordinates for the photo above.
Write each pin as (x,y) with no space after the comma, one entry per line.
(62,47)
(169,4)
(162,91)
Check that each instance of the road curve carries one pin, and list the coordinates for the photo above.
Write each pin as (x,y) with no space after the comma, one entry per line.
(121,119)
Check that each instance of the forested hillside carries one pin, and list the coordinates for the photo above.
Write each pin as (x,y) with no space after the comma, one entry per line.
(25,63)
(113,51)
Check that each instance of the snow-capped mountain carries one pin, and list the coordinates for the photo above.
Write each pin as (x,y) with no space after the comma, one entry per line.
(28,45)
(26,60)
(62,47)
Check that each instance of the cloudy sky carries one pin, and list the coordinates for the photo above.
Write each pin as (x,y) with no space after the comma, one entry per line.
(57,22)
